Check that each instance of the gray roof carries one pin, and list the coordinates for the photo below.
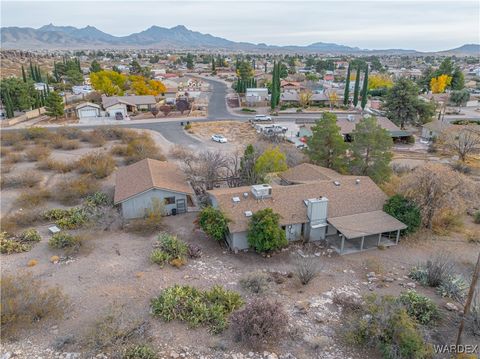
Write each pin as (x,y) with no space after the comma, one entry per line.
(108,101)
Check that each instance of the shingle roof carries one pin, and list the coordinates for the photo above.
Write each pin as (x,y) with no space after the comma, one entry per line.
(147,174)
(85,104)
(288,201)
(306,172)
(364,224)
(108,101)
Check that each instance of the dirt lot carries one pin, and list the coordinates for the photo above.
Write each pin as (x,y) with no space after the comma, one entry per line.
(113,270)
(237,133)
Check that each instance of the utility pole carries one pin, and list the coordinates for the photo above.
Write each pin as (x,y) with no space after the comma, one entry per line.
(468,302)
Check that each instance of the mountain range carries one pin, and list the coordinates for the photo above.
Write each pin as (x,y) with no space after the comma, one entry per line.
(178,38)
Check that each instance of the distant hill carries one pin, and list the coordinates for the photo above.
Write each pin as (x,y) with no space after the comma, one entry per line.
(467,49)
(178,37)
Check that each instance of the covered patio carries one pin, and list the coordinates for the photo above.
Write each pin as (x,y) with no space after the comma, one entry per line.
(363,231)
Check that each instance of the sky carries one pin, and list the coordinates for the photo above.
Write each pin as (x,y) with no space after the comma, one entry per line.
(424,25)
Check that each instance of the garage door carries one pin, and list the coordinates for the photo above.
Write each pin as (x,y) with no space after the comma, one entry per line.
(87,112)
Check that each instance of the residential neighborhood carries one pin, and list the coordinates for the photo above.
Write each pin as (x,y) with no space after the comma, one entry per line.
(243,186)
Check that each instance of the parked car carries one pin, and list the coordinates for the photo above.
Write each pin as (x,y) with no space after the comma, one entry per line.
(219,139)
(262,118)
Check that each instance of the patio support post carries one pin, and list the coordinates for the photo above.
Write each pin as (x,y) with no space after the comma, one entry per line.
(398,236)
(361,244)
(379,238)
(343,242)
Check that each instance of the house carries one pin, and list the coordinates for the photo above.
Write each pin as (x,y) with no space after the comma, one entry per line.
(137,185)
(87,110)
(133,102)
(431,130)
(290,85)
(255,95)
(314,204)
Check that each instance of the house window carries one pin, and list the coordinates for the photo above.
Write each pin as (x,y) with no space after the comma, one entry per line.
(169,200)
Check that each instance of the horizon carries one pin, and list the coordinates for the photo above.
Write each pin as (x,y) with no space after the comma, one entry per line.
(443,25)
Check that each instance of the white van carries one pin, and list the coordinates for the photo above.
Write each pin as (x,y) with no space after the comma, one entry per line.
(262,118)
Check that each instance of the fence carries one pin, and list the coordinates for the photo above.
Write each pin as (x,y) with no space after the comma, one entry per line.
(25,117)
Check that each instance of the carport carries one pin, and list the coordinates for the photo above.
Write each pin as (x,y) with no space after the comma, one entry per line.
(359,232)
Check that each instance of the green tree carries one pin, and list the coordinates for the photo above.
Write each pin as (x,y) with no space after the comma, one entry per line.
(365,89)
(356,89)
(272,160)
(95,66)
(213,222)
(245,70)
(248,173)
(189,61)
(445,68)
(346,93)
(405,211)
(22,94)
(136,68)
(282,70)
(264,232)
(460,97)
(426,110)
(402,103)
(214,70)
(370,149)
(54,105)
(458,80)
(326,146)
(24,76)
(9,111)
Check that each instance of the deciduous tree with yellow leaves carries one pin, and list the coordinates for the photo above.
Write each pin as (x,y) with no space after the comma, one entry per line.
(377,81)
(112,83)
(440,83)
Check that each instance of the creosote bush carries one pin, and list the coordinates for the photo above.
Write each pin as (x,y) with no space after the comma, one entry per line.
(57,166)
(259,321)
(197,307)
(26,300)
(33,197)
(306,267)
(72,191)
(37,153)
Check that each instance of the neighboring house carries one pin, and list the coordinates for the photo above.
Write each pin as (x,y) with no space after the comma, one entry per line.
(290,85)
(84,89)
(316,204)
(433,129)
(120,109)
(133,102)
(138,184)
(87,110)
(256,95)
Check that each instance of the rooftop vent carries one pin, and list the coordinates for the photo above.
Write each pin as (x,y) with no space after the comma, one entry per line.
(336,183)
(260,191)
(236,199)
(245,194)
(351,118)
(357,181)
(248,213)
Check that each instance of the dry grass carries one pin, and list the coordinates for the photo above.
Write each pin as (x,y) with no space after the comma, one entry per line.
(72,191)
(11,138)
(13,158)
(58,141)
(26,300)
(4,151)
(27,178)
(37,153)
(57,166)
(70,133)
(21,219)
(119,150)
(179,152)
(5,168)
(141,148)
(96,138)
(98,164)
(33,198)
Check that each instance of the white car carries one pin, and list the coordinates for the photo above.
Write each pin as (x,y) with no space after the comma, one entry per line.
(219,139)
(262,118)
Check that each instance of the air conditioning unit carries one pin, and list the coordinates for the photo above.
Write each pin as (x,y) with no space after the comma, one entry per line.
(351,118)
(261,191)
(236,199)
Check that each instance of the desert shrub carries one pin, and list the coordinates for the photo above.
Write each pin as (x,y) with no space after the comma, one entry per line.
(63,240)
(96,138)
(37,153)
(98,164)
(30,235)
(35,133)
(70,133)
(25,179)
(140,351)
(473,317)
(11,245)
(306,267)
(476,217)
(114,331)
(71,191)
(255,282)
(349,301)
(383,323)
(21,219)
(194,251)
(434,271)
(169,249)
(461,167)
(69,145)
(98,199)
(264,232)
(13,158)
(32,197)
(197,307)
(119,150)
(151,223)
(57,166)
(447,221)
(141,148)
(188,126)
(56,214)
(4,151)
(10,138)
(405,211)
(453,286)
(5,168)
(76,218)
(179,152)
(19,146)
(26,300)
(259,321)
(419,307)
(213,222)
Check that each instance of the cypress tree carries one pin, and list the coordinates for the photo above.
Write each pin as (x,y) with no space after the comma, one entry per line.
(365,89)
(8,105)
(24,76)
(346,94)
(265,67)
(273,95)
(55,72)
(32,74)
(357,88)
(213,66)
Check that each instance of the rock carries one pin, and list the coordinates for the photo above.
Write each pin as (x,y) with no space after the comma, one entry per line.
(72,355)
(371,274)
(319,318)
(318,341)
(7,355)
(272,356)
(388,279)
(411,285)
(302,306)
(452,307)
(174,355)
